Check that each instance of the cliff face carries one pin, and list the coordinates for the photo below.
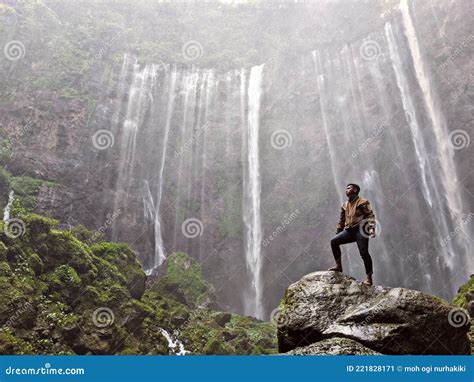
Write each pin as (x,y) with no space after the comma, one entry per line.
(330,312)
(329,114)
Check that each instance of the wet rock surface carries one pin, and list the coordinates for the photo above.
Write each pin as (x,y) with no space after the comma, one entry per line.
(334,346)
(325,305)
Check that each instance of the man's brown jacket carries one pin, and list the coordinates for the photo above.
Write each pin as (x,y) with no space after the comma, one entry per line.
(354,212)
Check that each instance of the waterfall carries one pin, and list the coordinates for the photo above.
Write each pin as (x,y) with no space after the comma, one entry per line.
(121,87)
(251,202)
(443,217)
(151,208)
(410,113)
(188,91)
(139,98)
(321,91)
(174,342)
(203,125)
(6,211)
(445,151)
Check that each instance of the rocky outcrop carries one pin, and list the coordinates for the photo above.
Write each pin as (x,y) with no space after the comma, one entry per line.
(328,305)
(334,346)
(180,277)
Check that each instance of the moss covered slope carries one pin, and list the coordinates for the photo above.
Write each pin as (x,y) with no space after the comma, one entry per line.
(62,296)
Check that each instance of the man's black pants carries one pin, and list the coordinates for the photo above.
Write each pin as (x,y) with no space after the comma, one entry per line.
(349,236)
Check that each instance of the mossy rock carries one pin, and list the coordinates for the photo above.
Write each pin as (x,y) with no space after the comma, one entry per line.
(135,312)
(242,335)
(222,318)
(124,258)
(4,186)
(465,296)
(63,283)
(61,247)
(217,346)
(36,263)
(12,298)
(183,281)
(37,225)
(15,253)
(5,270)
(9,344)
(3,251)
(57,282)
(84,234)
(26,190)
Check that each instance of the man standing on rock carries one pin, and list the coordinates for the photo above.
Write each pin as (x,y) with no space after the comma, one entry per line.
(356,224)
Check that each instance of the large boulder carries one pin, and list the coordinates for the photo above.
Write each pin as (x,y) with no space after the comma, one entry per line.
(334,346)
(325,305)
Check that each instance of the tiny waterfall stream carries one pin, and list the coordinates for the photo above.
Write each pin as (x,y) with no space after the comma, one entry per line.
(6,211)
(174,344)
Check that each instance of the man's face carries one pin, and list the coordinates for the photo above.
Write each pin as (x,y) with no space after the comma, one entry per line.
(351,190)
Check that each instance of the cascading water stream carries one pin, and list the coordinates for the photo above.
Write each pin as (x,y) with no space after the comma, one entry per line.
(6,211)
(174,344)
(428,168)
(251,206)
(139,98)
(411,115)
(320,82)
(152,209)
(445,151)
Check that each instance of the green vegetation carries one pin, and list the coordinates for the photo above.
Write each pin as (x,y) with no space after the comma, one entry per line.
(62,296)
(465,293)
(465,299)
(77,38)
(25,188)
(184,281)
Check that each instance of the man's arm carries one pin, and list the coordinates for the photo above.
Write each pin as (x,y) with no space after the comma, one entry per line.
(370,216)
(342,220)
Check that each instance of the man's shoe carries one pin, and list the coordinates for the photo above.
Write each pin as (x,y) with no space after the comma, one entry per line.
(368,280)
(337,267)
